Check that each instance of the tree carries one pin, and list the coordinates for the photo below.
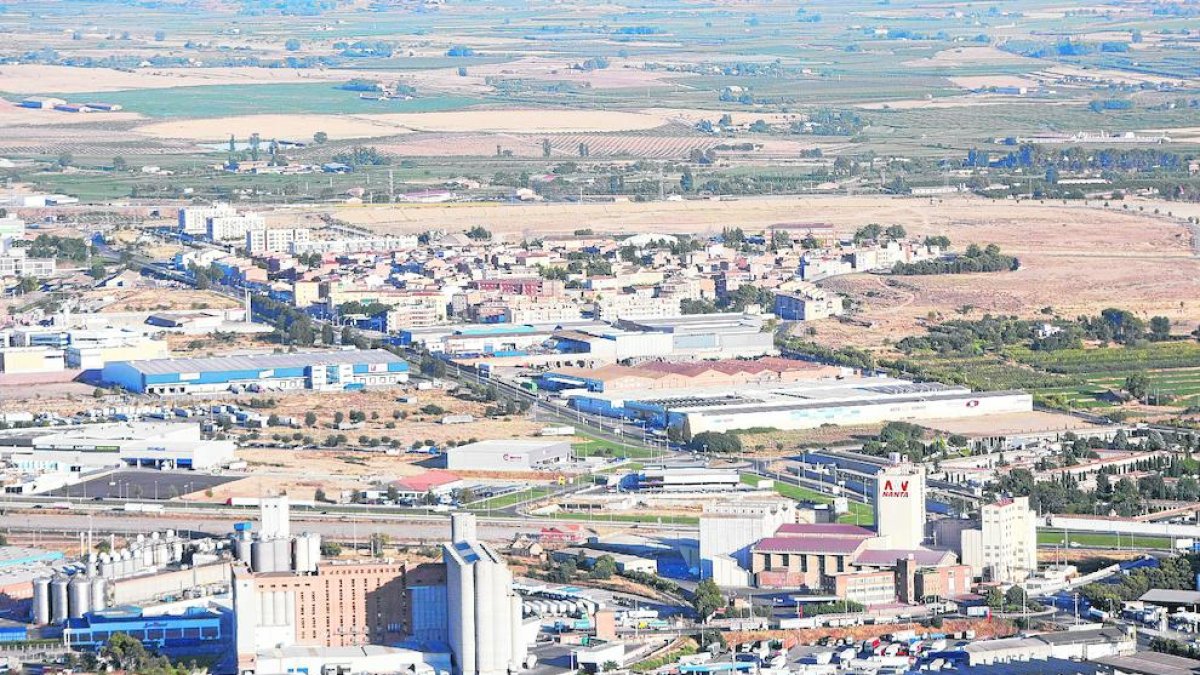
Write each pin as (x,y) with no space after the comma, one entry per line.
(604,567)
(1016,597)
(896,232)
(609,666)
(546,147)
(310,419)
(686,181)
(995,598)
(712,441)
(319,495)
(97,270)
(65,159)
(330,549)
(118,163)
(292,45)
(707,599)
(479,233)
(339,417)
(320,138)
(1160,328)
(1137,385)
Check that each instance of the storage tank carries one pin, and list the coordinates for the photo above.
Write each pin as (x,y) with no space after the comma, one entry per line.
(306,552)
(99,594)
(262,557)
(125,568)
(282,555)
(107,569)
(79,597)
(241,549)
(162,554)
(41,601)
(58,599)
(146,556)
(176,551)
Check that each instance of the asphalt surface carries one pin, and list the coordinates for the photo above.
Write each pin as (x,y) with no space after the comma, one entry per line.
(142,485)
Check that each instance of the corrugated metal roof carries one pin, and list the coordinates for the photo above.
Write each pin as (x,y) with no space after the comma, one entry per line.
(262,361)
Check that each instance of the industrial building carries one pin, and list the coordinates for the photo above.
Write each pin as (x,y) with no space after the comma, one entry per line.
(30,360)
(486,629)
(1003,546)
(687,478)
(728,530)
(799,405)
(99,446)
(900,504)
(318,370)
(669,375)
(510,455)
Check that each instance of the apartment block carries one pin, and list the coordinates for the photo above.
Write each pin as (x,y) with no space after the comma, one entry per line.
(275,240)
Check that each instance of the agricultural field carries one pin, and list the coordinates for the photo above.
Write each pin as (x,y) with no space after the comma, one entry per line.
(1170,368)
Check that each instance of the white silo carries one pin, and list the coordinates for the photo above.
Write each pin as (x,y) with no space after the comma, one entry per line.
(58,599)
(99,594)
(79,597)
(41,601)
(485,643)
(107,569)
(516,640)
(281,555)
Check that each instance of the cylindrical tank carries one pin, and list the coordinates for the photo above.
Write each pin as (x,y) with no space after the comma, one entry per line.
(262,556)
(147,556)
(241,550)
(280,600)
(99,594)
(79,597)
(125,568)
(58,599)
(176,551)
(41,601)
(281,555)
(162,554)
(485,646)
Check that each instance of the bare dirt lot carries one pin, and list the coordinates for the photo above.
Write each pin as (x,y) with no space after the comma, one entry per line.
(361,126)
(1009,424)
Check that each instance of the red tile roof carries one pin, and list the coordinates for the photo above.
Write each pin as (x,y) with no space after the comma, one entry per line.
(886,557)
(823,529)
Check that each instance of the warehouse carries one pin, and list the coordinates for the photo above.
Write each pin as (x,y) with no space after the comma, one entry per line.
(97,446)
(319,370)
(800,404)
(510,455)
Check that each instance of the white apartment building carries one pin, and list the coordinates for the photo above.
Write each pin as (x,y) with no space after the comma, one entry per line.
(15,263)
(275,240)
(807,303)
(235,227)
(193,220)
(1004,548)
(611,307)
(523,310)
(11,227)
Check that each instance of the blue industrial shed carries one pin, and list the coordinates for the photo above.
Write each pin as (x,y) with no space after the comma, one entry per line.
(320,370)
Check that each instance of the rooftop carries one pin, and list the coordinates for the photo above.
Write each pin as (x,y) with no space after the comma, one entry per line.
(264,361)
(824,529)
(888,557)
(810,544)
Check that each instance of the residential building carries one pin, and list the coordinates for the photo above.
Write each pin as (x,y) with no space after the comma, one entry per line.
(275,239)
(233,227)
(807,303)
(193,220)
(15,262)
(612,307)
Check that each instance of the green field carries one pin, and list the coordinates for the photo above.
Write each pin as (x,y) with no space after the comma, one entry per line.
(1172,368)
(596,447)
(1048,538)
(859,514)
(255,99)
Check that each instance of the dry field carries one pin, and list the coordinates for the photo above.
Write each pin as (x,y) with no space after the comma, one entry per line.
(372,125)
(1075,258)
(1008,424)
(43,79)
(982,81)
(970,56)
(621,74)
(154,299)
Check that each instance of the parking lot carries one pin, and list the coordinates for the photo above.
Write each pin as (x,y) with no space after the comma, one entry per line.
(142,484)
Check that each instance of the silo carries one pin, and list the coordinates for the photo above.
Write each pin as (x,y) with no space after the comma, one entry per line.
(262,556)
(99,594)
(515,637)
(281,555)
(58,599)
(107,569)
(79,597)
(147,556)
(162,554)
(241,550)
(176,551)
(306,550)
(266,609)
(125,568)
(281,613)
(41,601)
(485,646)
